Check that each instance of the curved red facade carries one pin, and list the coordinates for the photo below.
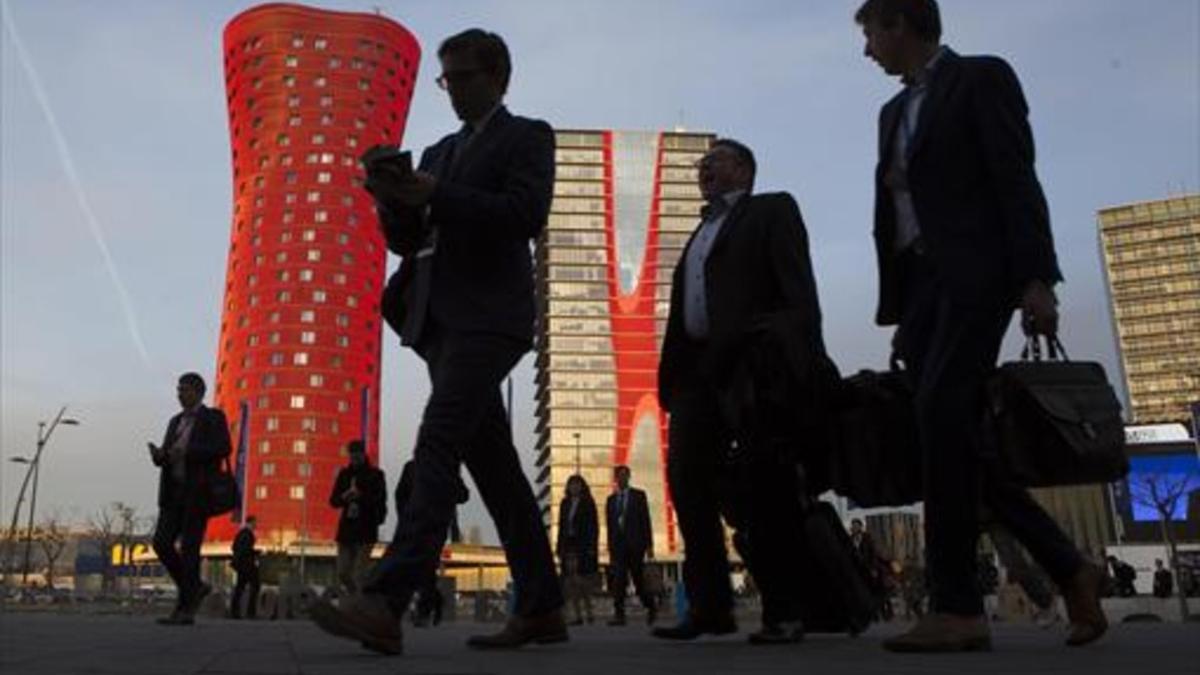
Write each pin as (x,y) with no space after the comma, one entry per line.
(625,203)
(308,91)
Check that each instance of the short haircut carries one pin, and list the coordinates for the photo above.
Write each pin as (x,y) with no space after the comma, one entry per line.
(743,152)
(193,380)
(356,446)
(487,48)
(251,519)
(921,16)
(621,467)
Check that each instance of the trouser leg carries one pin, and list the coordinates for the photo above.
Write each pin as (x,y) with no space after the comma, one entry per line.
(697,441)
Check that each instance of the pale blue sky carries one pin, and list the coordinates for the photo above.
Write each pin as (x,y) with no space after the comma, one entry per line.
(136,89)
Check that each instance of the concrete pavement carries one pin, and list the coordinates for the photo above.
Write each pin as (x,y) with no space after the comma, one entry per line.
(46,643)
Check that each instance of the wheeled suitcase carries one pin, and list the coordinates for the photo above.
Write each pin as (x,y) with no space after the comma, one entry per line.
(835,594)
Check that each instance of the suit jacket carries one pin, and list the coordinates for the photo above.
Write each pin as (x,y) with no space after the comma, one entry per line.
(207,446)
(585,541)
(243,550)
(757,274)
(637,536)
(360,525)
(983,217)
(491,201)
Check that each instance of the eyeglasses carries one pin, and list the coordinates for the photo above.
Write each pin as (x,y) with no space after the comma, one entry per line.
(457,77)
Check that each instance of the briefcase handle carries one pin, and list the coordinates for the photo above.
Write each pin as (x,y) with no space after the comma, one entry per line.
(1054,349)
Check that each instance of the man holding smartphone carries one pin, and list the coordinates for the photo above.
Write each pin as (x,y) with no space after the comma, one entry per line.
(196,441)
(464,301)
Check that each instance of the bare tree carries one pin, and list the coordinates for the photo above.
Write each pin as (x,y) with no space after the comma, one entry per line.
(104,529)
(128,520)
(1162,492)
(52,539)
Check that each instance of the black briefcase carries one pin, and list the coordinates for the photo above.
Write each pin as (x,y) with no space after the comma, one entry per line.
(877,461)
(1056,422)
(224,495)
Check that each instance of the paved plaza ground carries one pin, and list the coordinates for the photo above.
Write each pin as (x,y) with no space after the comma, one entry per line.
(64,644)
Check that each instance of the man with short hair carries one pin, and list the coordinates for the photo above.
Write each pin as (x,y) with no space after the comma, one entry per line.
(962,235)
(463,299)
(743,287)
(630,539)
(360,492)
(189,459)
(245,564)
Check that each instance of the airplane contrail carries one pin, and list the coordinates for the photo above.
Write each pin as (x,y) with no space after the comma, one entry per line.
(64,156)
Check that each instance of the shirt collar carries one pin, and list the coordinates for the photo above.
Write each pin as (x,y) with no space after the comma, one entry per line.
(472,130)
(926,73)
(721,204)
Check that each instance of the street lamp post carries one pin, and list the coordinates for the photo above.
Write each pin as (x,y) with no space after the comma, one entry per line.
(578,465)
(32,471)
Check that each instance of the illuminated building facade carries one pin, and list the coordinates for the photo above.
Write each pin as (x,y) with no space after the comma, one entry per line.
(1152,262)
(308,91)
(625,204)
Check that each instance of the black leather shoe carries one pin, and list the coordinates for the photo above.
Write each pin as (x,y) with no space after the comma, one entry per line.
(175,618)
(783,633)
(618,620)
(542,629)
(694,626)
(197,600)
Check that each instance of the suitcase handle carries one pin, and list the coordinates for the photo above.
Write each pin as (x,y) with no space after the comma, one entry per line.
(1054,349)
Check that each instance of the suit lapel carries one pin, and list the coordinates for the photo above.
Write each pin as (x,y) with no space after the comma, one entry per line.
(889,123)
(467,152)
(731,221)
(939,86)
(172,431)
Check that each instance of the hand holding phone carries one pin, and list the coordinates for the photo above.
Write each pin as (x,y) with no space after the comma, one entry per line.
(389,158)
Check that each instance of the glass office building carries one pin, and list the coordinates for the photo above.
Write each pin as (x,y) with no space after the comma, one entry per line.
(625,203)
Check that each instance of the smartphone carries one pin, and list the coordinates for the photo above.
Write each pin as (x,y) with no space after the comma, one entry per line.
(390,156)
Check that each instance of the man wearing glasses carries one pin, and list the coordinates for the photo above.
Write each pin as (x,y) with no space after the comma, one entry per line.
(463,223)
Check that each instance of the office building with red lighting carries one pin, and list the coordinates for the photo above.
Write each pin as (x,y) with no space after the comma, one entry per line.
(308,91)
(624,205)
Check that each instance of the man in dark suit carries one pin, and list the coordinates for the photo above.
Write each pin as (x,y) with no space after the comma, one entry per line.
(463,224)
(360,491)
(245,563)
(962,235)
(196,441)
(745,272)
(630,539)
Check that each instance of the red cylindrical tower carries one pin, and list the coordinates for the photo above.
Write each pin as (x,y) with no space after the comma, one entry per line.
(308,91)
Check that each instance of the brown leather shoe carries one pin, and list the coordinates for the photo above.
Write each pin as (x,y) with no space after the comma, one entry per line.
(363,618)
(1082,598)
(542,629)
(940,632)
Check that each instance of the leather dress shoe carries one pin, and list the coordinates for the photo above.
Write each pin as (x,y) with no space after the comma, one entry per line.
(618,620)
(695,625)
(177,617)
(782,633)
(1082,598)
(940,632)
(542,629)
(363,618)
